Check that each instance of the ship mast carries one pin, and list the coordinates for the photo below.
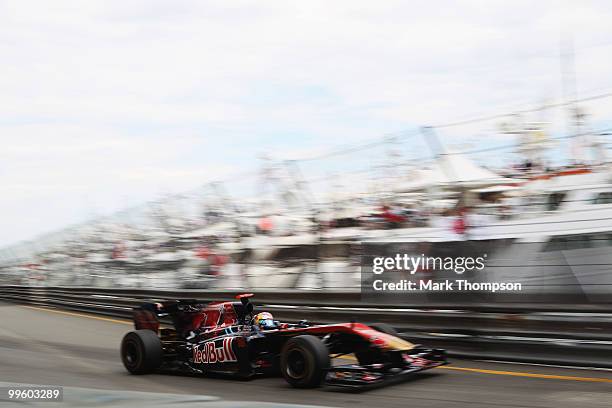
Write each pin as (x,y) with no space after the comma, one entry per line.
(575,119)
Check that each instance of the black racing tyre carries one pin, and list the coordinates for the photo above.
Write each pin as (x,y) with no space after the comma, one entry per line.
(384,328)
(141,351)
(304,361)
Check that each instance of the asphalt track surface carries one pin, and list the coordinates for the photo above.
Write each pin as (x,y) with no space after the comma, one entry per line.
(55,347)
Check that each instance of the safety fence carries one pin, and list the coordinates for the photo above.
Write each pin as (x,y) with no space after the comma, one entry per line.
(578,334)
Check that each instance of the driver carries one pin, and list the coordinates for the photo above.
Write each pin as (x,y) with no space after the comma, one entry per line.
(264,320)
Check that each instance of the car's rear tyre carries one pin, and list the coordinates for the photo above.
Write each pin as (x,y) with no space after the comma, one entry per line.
(141,351)
(304,361)
(384,328)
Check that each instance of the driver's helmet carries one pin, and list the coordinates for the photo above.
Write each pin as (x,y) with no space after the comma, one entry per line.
(264,320)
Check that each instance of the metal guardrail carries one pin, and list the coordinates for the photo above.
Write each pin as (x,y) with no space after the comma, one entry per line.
(543,333)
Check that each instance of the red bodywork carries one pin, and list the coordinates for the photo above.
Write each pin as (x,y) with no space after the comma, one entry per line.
(374,337)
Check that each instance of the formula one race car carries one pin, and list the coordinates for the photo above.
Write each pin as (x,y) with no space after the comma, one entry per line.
(228,338)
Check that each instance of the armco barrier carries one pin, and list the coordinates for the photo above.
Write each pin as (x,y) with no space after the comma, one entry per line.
(542,333)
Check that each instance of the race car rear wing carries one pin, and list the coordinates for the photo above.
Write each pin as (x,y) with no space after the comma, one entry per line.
(147,315)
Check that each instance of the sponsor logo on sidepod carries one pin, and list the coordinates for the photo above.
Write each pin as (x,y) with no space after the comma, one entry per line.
(209,353)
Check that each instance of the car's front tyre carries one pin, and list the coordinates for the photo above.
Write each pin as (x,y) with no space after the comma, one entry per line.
(304,361)
(141,351)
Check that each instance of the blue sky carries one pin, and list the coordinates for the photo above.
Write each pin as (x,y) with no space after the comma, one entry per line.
(107,104)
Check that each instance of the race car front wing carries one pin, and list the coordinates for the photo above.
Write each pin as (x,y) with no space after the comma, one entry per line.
(379,374)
